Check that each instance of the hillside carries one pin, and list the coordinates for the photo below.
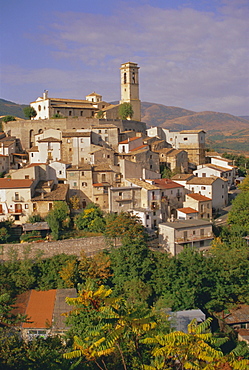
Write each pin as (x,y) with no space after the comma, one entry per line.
(225,132)
(10,108)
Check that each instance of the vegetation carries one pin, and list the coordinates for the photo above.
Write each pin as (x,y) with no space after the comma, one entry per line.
(125,111)
(58,218)
(8,118)
(29,112)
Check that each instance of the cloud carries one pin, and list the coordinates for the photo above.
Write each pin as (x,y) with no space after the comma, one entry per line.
(189,58)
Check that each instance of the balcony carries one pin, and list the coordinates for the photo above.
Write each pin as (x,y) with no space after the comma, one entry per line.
(195,238)
(18,199)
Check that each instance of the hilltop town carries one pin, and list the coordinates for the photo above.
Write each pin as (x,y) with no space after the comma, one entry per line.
(81,149)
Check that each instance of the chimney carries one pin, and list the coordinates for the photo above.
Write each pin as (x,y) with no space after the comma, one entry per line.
(45,94)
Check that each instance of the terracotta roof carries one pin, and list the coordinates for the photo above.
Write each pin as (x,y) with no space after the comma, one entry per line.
(130,139)
(167,184)
(187,210)
(7,183)
(35,165)
(101,184)
(198,197)
(102,168)
(40,309)
(139,148)
(58,193)
(49,140)
(82,167)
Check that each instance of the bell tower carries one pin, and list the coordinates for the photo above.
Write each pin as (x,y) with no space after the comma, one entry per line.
(130,88)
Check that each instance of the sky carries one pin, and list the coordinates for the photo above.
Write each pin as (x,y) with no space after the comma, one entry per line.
(192,54)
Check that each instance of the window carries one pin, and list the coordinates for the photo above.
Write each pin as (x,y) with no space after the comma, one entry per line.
(108,156)
(32,154)
(26,206)
(103,177)
(39,108)
(105,131)
(120,194)
(16,196)
(50,206)
(26,177)
(82,173)
(193,232)
(60,172)
(84,183)
(208,205)
(34,207)
(70,113)
(125,78)
(147,217)
(68,141)
(75,184)
(204,174)
(81,113)
(185,138)
(203,188)
(96,199)
(99,131)
(82,140)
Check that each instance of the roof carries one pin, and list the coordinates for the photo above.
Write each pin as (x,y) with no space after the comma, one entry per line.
(82,167)
(49,140)
(143,184)
(239,314)
(167,184)
(186,224)
(198,197)
(191,131)
(130,139)
(203,180)
(40,309)
(182,176)
(215,167)
(102,168)
(33,149)
(7,183)
(144,146)
(94,94)
(187,210)
(58,193)
(35,226)
(101,184)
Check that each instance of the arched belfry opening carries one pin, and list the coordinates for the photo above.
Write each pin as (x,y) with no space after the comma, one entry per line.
(31,138)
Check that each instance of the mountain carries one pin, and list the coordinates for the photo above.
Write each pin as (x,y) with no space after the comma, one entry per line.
(224,132)
(10,108)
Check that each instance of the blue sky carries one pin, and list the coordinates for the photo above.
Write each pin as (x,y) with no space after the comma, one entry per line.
(192,54)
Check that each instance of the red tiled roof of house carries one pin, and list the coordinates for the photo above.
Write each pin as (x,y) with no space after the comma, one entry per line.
(7,183)
(130,139)
(139,147)
(198,197)
(167,184)
(40,309)
(187,210)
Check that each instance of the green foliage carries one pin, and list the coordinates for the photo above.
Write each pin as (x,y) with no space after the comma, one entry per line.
(29,112)
(35,218)
(91,218)
(166,172)
(57,115)
(4,235)
(125,111)
(8,118)
(31,236)
(100,114)
(58,218)
(239,214)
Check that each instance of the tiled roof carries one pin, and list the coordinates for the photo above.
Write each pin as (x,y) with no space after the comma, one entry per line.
(33,149)
(130,139)
(139,148)
(82,167)
(76,134)
(191,131)
(203,180)
(101,184)
(7,183)
(167,184)
(182,176)
(198,197)
(94,94)
(187,210)
(40,309)
(215,167)
(143,184)
(239,314)
(58,193)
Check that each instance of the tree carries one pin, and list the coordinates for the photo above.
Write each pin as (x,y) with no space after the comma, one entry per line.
(91,219)
(8,118)
(58,218)
(97,268)
(29,112)
(239,214)
(125,111)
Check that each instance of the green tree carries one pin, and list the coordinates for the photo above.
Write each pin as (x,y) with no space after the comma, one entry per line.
(100,114)
(29,112)
(58,218)
(239,214)
(91,218)
(8,118)
(125,111)
(4,235)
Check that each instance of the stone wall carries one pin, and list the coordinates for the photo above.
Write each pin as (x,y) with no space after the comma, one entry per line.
(48,249)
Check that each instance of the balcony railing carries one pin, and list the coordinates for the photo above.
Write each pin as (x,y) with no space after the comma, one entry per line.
(194,238)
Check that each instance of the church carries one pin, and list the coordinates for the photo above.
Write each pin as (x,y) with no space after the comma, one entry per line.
(93,106)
